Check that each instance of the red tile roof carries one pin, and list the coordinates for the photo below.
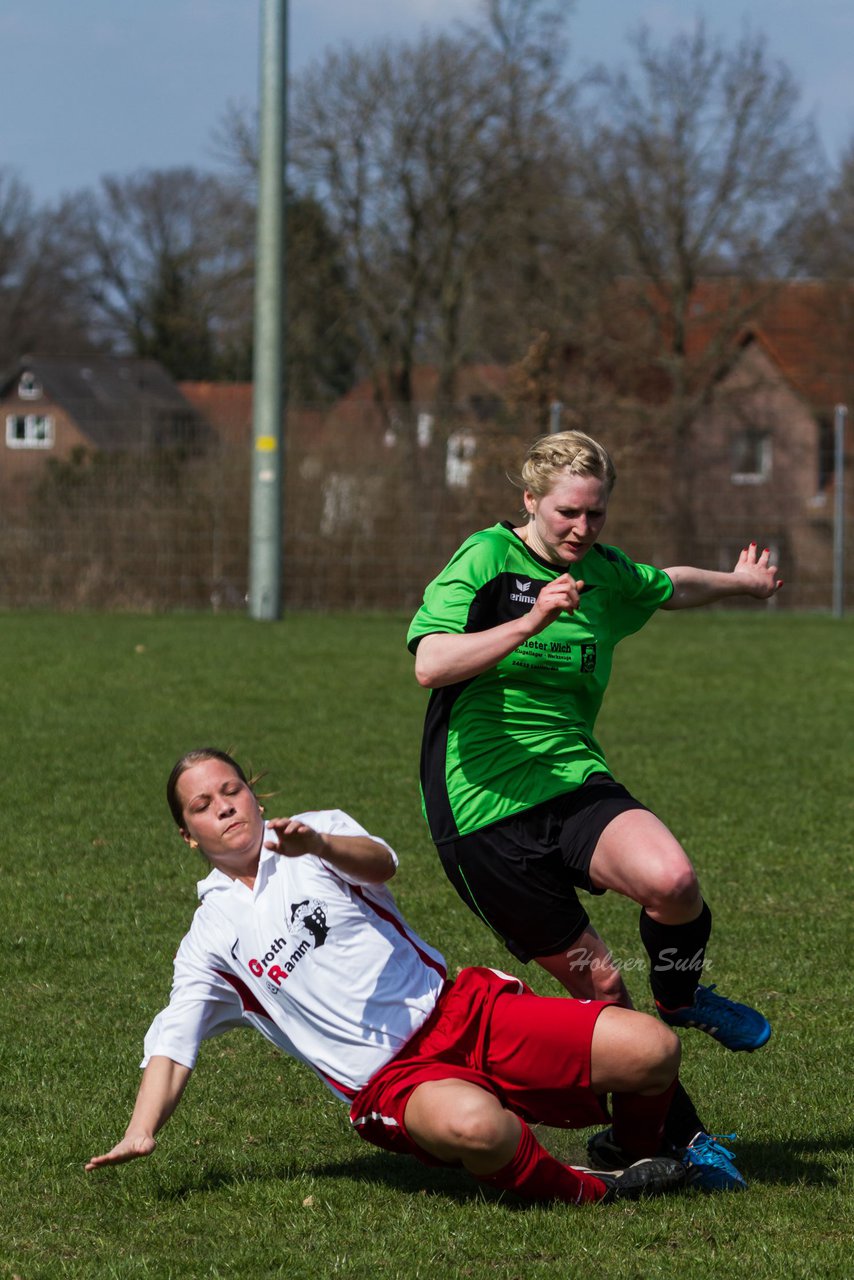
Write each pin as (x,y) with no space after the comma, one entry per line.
(805,326)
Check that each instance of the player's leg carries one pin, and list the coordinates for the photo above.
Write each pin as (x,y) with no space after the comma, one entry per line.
(609,840)
(637,1127)
(553,1060)
(587,970)
(632,1052)
(514,878)
(635,1058)
(457,1121)
(637,856)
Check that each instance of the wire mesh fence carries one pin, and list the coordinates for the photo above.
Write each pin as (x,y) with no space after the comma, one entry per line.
(371,514)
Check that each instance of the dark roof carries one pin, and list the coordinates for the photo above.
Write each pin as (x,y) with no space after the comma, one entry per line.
(118,402)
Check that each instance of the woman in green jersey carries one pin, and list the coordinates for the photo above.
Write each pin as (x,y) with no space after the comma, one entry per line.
(515,638)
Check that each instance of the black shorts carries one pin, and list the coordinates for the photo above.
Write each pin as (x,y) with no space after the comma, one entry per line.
(520,876)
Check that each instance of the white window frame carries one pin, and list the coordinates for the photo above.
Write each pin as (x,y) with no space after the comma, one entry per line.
(38,431)
(459,458)
(766,458)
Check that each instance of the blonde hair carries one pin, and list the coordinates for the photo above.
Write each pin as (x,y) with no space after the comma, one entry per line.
(572,451)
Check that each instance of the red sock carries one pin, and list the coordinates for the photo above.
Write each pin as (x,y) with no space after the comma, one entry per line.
(536,1175)
(638,1121)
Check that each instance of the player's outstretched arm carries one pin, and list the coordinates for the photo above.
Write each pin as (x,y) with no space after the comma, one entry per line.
(753,575)
(160,1090)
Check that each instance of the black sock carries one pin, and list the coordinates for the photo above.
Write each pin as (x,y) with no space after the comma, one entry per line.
(682,1123)
(676,953)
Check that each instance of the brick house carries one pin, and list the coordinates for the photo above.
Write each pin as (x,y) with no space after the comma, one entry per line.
(762,371)
(54,407)
(762,450)
(758,456)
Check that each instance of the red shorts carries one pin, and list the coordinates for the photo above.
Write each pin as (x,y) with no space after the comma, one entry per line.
(532,1052)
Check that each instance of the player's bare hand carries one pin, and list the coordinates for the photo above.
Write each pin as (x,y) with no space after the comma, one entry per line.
(294,839)
(758,577)
(560,596)
(127,1149)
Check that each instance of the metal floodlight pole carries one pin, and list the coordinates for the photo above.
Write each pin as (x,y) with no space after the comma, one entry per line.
(268,397)
(839,417)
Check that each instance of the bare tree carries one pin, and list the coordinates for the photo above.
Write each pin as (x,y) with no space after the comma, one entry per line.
(164,255)
(395,142)
(697,163)
(40,307)
(536,253)
(828,242)
(440,165)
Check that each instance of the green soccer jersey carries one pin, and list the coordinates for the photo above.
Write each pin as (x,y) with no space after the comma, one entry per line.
(522,732)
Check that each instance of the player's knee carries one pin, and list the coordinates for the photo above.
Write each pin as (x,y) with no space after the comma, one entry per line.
(476,1126)
(665,1055)
(675,887)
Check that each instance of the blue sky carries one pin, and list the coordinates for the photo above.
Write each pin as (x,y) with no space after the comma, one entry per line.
(92,87)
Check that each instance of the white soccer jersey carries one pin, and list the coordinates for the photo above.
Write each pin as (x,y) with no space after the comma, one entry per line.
(323,966)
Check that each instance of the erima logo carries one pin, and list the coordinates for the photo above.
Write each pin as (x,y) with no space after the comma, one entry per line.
(520,595)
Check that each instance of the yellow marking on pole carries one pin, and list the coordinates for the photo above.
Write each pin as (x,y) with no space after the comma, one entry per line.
(266,444)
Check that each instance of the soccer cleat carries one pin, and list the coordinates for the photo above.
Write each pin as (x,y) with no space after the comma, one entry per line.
(710,1166)
(659,1176)
(603,1153)
(734,1025)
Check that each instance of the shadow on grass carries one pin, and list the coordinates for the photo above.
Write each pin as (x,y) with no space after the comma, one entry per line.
(403,1173)
(795,1161)
(215,1177)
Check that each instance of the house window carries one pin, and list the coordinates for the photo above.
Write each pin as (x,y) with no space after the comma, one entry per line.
(29,431)
(459,459)
(751,457)
(424,429)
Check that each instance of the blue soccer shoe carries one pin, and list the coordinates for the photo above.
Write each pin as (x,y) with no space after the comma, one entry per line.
(711,1166)
(734,1025)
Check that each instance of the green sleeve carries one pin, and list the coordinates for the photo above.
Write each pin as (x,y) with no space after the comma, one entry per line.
(448,598)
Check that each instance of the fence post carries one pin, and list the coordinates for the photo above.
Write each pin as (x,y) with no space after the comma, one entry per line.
(265,552)
(840,415)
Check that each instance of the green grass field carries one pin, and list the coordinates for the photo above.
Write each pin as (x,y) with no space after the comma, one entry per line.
(737,728)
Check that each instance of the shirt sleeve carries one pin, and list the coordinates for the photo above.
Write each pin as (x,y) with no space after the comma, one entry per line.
(202,1005)
(637,590)
(335,822)
(448,598)
(654,588)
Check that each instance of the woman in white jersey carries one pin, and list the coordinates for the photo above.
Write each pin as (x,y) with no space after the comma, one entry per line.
(515,640)
(297,936)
